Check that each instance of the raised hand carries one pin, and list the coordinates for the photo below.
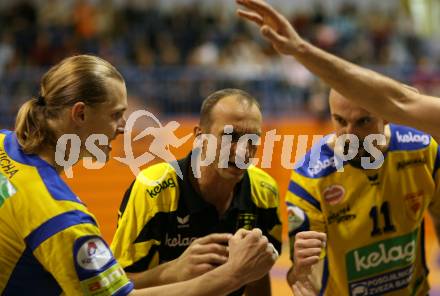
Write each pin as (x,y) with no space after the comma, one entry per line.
(273,25)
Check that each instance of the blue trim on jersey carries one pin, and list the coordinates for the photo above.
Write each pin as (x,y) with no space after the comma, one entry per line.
(54,184)
(320,161)
(30,278)
(407,138)
(296,189)
(14,151)
(325,277)
(55,225)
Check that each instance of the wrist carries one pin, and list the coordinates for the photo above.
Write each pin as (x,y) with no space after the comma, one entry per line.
(300,47)
(170,273)
(235,279)
(299,273)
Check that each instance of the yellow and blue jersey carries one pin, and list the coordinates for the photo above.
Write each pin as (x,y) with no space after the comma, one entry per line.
(50,243)
(373,218)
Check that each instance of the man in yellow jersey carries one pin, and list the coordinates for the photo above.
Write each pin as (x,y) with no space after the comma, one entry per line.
(174,222)
(382,96)
(50,243)
(373,215)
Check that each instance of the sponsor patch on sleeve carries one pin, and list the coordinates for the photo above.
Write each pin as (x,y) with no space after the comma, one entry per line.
(6,189)
(297,219)
(97,269)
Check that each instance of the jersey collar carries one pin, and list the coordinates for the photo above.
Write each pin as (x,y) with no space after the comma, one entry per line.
(195,203)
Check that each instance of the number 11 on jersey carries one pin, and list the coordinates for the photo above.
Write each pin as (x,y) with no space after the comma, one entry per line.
(385,211)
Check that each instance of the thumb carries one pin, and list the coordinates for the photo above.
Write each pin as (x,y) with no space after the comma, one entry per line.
(270,34)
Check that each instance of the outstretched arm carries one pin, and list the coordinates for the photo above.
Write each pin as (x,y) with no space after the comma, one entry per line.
(375,92)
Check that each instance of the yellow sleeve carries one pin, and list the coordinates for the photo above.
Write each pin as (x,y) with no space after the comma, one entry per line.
(138,236)
(70,247)
(265,195)
(303,208)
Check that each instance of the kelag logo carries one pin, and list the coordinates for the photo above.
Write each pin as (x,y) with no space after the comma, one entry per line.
(382,256)
(409,137)
(169,183)
(319,166)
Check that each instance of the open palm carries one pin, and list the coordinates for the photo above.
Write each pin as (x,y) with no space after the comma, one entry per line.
(274,26)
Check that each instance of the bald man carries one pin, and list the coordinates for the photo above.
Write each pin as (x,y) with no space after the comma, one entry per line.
(370,204)
(177,229)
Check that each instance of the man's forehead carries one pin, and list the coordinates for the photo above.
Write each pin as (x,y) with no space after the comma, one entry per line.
(343,107)
(233,103)
(237,117)
(239,126)
(354,113)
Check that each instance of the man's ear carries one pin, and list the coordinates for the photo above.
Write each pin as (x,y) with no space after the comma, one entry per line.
(77,113)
